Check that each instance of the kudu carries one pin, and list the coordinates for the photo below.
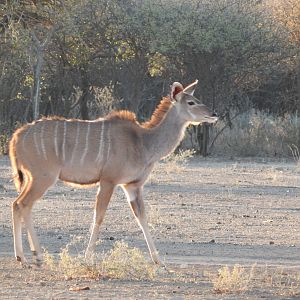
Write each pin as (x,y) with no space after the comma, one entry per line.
(110,151)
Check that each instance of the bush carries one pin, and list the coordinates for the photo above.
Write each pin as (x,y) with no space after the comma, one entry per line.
(258,134)
(4,139)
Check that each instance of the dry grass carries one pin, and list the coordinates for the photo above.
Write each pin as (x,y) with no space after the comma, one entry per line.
(125,263)
(72,266)
(122,262)
(283,283)
(175,161)
(259,134)
(238,279)
(235,280)
(295,150)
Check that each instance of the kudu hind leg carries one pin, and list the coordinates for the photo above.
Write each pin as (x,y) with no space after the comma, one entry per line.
(21,210)
(32,238)
(102,200)
(17,232)
(135,199)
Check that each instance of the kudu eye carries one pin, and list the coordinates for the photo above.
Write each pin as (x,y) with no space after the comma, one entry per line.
(191,103)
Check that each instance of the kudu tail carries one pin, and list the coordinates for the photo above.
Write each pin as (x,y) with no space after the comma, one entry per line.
(17,173)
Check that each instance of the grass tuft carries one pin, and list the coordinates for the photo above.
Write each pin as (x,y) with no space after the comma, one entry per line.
(282,282)
(122,262)
(72,266)
(235,280)
(295,150)
(175,161)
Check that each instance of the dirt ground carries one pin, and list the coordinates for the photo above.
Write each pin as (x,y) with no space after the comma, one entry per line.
(204,215)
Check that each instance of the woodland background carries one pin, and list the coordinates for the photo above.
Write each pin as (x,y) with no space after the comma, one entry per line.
(84,58)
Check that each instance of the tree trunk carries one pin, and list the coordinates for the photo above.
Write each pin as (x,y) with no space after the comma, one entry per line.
(37,83)
(38,53)
(203,139)
(84,112)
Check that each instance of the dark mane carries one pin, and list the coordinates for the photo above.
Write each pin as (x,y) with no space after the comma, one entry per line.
(159,113)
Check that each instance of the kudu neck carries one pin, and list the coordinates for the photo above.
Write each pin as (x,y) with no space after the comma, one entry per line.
(163,138)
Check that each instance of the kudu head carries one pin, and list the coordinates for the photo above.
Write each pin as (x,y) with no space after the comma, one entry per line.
(190,108)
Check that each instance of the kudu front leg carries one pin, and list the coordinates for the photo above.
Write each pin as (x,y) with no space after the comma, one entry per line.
(104,194)
(135,199)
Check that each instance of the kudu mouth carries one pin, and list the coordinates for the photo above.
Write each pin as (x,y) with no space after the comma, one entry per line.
(214,120)
(206,119)
(211,119)
(214,117)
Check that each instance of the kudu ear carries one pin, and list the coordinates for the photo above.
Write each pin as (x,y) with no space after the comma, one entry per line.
(176,88)
(191,88)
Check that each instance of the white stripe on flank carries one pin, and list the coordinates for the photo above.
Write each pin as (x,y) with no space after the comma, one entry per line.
(85,151)
(108,142)
(43,141)
(101,143)
(76,142)
(64,141)
(35,143)
(55,138)
(25,136)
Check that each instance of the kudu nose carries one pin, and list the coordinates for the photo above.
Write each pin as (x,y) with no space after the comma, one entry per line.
(214,114)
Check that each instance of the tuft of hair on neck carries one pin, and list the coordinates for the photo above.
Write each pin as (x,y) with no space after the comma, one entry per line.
(124,115)
(156,118)
(159,113)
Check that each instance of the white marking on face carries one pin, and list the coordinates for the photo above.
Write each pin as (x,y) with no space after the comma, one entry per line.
(55,138)
(195,123)
(85,151)
(101,143)
(64,141)
(76,141)
(43,141)
(193,116)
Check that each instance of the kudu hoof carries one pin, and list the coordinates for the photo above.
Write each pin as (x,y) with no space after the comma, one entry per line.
(38,261)
(23,263)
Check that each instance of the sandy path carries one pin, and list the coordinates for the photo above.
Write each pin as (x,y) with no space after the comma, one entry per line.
(207,214)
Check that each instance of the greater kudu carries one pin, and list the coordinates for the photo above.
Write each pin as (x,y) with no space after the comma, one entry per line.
(110,151)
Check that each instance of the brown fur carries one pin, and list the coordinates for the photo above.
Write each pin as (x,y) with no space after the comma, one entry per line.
(81,185)
(112,151)
(157,116)
(123,115)
(17,173)
(18,180)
